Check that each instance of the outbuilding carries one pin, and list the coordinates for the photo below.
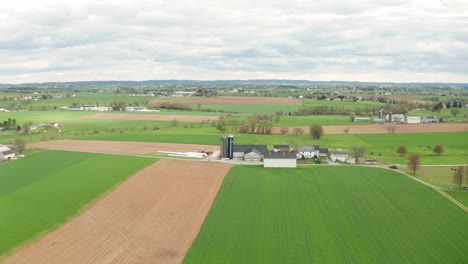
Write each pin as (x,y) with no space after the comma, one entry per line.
(413,120)
(339,156)
(280,160)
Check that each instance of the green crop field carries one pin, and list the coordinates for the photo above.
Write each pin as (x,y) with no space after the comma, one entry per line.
(42,191)
(329,215)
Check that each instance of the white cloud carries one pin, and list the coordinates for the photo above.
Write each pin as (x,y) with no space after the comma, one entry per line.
(391,40)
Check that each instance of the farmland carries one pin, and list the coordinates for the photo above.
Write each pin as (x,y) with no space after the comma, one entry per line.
(329,215)
(44,190)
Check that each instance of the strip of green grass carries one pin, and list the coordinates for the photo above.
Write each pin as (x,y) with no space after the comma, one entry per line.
(329,215)
(42,191)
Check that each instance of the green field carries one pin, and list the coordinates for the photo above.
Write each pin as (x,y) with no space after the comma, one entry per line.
(41,191)
(329,215)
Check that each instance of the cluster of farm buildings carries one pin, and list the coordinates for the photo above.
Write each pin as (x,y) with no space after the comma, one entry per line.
(281,156)
(6,153)
(397,118)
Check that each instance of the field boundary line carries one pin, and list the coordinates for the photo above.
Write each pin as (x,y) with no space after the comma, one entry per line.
(452,199)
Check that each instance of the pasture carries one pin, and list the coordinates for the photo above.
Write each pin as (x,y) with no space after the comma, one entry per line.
(329,215)
(44,190)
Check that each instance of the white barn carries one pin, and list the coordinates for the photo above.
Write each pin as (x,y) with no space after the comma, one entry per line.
(339,156)
(413,120)
(280,160)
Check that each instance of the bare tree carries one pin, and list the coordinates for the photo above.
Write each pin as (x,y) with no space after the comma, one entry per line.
(438,149)
(298,130)
(346,130)
(391,128)
(458,176)
(358,151)
(402,150)
(284,130)
(316,131)
(20,144)
(414,163)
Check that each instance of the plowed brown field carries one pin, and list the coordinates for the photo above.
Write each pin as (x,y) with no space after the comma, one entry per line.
(151,218)
(383,128)
(230,100)
(121,147)
(151,117)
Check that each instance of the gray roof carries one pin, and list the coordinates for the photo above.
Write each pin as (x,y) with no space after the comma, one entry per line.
(281,146)
(8,152)
(323,150)
(281,155)
(308,148)
(259,149)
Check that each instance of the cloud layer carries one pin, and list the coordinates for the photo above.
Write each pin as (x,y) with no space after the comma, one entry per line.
(392,40)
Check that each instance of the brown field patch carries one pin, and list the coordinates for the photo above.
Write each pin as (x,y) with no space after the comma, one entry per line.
(383,128)
(151,218)
(120,147)
(229,100)
(151,117)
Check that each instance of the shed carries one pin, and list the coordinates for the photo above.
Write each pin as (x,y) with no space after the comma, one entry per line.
(339,156)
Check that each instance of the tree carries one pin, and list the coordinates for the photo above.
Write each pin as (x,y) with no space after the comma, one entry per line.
(221,124)
(316,131)
(358,151)
(298,130)
(438,149)
(284,130)
(352,115)
(458,176)
(20,144)
(174,122)
(402,150)
(414,162)
(391,128)
(346,130)
(454,111)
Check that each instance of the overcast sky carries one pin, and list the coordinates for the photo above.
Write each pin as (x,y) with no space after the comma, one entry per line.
(381,40)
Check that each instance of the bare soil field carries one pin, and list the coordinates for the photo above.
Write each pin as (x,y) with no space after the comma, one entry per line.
(230,100)
(409,99)
(121,147)
(151,218)
(151,117)
(384,128)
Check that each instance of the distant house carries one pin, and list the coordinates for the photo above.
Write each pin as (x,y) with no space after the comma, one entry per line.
(253,153)
(7,155)
(280,160)
(4,148)
(339,156)
(395,118)
(309,151)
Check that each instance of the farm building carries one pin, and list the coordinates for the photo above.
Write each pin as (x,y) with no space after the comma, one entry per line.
(395,118)
(309,151)
(280,160)
(413,120)
(339,156)
(4,148)
(323,152)
(430,119)
(7,155)
(250,152)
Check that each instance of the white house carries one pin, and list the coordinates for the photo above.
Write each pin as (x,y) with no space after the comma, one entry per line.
(339,156)
(309,151)
(4,148)
(280,160)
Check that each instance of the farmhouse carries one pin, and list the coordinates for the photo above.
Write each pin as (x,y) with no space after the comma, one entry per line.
(253,153)
(309,151)
(339,156)
(280,160)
